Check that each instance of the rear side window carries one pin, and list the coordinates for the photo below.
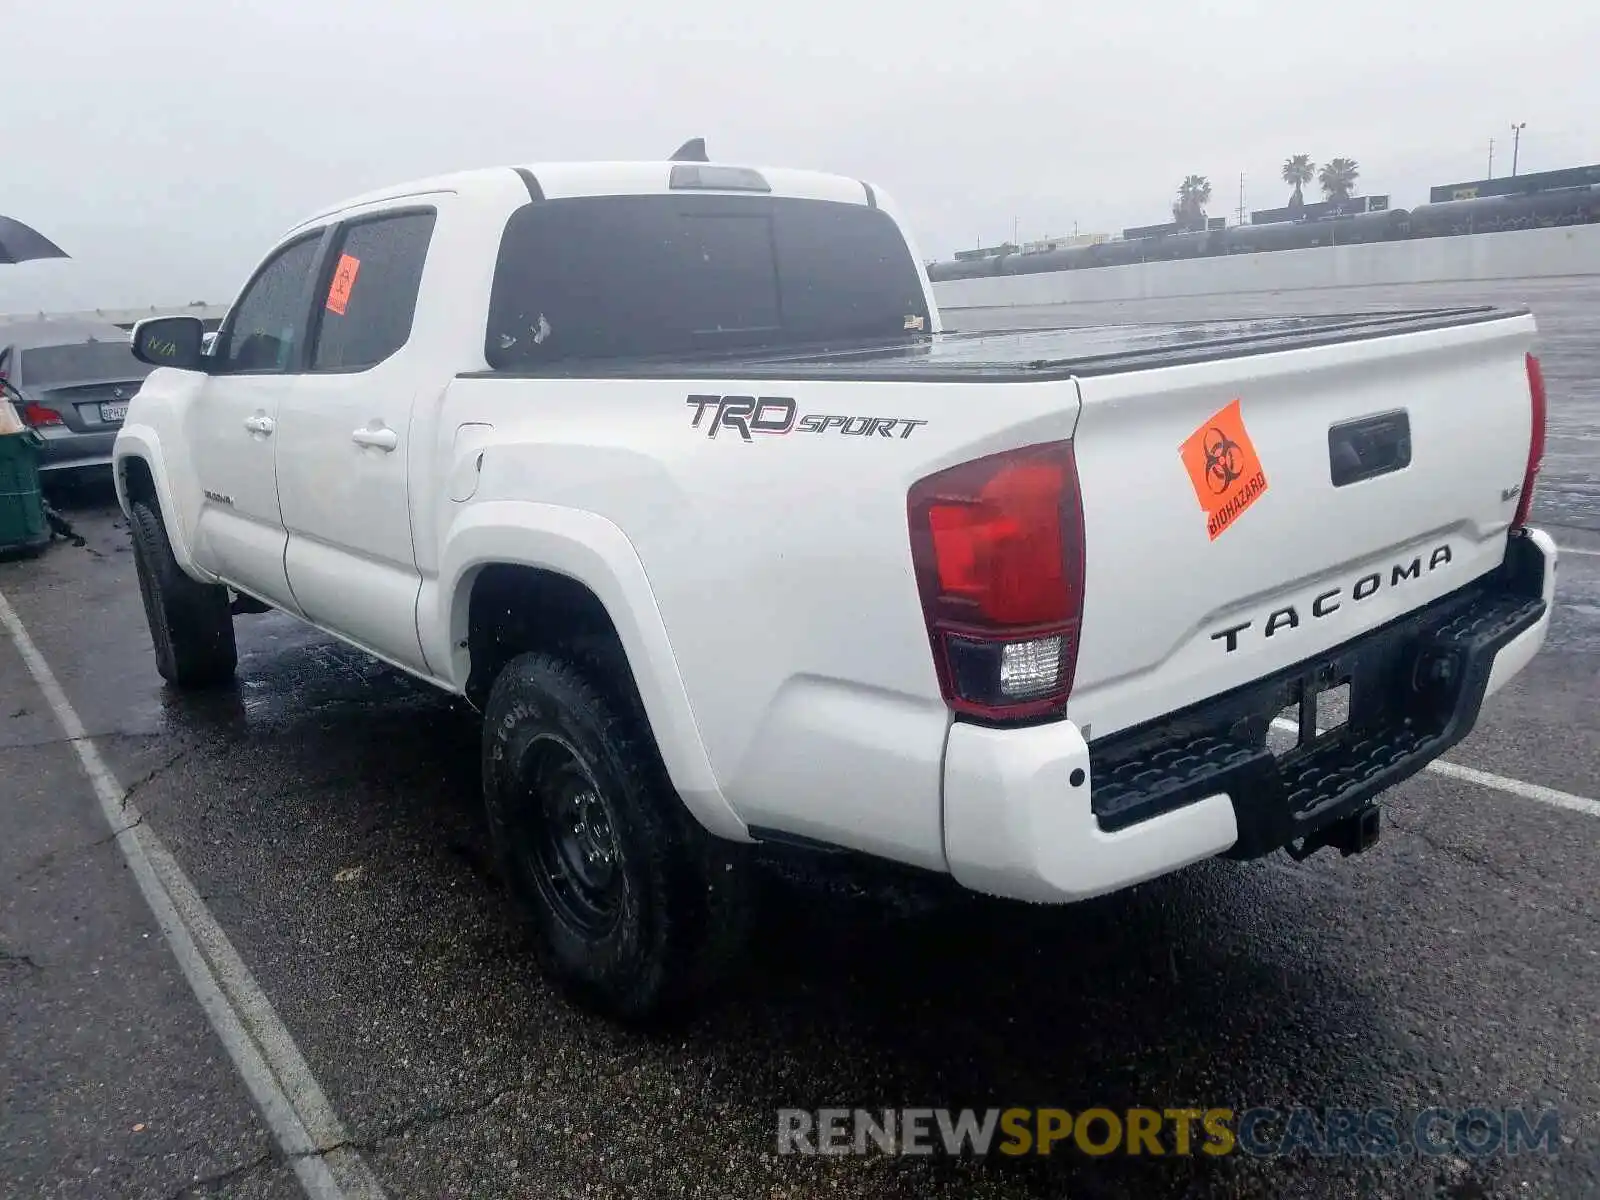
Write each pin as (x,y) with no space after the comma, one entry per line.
(371,296)
(618,277)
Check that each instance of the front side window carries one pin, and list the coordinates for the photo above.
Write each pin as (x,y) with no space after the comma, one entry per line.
(262,328)
(619,277)
(371,297)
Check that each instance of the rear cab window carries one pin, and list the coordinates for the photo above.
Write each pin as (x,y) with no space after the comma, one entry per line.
(686,276)
(78,362)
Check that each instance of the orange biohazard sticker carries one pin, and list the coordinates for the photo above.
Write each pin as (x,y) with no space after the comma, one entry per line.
(344,279)
(1224,468)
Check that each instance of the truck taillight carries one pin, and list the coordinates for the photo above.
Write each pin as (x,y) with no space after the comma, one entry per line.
(997,545)
(37,415)
(1539,405)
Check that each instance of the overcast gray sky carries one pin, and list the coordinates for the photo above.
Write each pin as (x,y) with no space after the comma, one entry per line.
(166,143)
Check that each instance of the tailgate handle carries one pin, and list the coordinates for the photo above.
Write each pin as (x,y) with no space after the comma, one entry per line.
(1369,447)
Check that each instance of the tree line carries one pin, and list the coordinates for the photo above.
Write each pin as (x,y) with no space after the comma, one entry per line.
(1337,178)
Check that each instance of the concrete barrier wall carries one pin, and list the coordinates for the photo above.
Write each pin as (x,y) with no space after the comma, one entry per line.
(1520,254)
(212,314)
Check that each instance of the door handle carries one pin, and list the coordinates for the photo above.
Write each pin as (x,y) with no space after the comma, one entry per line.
(1369,447)
(379,439)
(261,425)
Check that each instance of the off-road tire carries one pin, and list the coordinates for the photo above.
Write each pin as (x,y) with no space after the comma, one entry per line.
(191,623)
(684,897)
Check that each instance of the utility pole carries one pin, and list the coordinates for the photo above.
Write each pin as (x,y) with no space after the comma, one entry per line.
(1516,143)
(1241,197)
(1491,158)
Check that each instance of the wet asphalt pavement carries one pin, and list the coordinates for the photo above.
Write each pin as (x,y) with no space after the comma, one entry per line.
(327,811)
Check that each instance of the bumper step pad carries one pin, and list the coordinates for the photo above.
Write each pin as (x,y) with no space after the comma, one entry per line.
(1416,686)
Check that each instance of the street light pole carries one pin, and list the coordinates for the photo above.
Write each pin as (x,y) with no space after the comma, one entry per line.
(1491,158)
(1516,142)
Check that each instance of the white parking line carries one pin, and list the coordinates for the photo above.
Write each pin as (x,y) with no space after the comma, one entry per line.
(1564,550)
(291,1102)
(1517,787)
(1500,783)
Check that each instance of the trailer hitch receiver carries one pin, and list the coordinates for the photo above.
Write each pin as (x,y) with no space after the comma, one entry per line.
(1349,835)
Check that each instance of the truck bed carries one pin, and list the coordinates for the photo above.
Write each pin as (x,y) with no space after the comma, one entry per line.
(1033,354)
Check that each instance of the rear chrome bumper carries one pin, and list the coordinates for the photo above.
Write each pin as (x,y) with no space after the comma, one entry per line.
(1038,814)
(64,450)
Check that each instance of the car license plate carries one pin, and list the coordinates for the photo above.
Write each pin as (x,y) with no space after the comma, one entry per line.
(114,412)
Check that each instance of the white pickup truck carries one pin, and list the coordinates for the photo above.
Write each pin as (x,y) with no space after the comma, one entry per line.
(669,469)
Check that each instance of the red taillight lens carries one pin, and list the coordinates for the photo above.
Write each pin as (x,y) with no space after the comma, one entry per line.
(1540,409)
(38,414)
(997,545)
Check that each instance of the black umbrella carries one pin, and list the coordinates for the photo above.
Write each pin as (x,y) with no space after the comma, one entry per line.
(19,243)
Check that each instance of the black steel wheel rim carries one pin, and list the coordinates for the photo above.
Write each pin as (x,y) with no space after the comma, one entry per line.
(566,838)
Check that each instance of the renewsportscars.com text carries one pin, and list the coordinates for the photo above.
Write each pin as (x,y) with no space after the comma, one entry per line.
(1477,1132)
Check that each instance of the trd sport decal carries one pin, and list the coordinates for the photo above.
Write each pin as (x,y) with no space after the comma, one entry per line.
(750,415)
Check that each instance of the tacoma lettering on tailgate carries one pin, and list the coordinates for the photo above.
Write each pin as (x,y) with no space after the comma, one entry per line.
(1330,601)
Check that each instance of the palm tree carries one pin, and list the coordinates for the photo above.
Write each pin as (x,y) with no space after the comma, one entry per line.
(1338,178)
(1297,172)
(1189,209)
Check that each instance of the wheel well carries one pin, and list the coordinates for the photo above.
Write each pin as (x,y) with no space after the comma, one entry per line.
(138,481)
(517,609)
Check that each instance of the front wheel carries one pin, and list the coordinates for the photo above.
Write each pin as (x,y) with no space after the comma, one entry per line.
(634,907)
(191,624)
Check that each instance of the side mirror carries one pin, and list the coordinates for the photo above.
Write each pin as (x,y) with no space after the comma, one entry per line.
(170,342)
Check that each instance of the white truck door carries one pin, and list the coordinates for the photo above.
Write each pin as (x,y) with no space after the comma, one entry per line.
(343,439)
(231,427)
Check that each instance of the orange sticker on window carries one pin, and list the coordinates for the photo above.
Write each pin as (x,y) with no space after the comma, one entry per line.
(344,279)
(1224,468)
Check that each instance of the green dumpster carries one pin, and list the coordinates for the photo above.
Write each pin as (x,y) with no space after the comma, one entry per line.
(23,529)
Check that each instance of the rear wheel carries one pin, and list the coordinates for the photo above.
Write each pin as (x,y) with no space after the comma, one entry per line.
(634,908)
(191,624)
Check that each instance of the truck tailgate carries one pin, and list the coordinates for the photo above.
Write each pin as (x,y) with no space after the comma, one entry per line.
(1245,514)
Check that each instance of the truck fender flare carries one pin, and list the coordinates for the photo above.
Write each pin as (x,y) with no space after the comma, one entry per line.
(590,550)
(140,442)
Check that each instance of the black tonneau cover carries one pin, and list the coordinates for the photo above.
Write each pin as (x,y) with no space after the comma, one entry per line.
(1031,354)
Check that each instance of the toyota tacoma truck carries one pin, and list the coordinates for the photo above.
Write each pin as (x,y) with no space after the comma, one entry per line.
(671,470)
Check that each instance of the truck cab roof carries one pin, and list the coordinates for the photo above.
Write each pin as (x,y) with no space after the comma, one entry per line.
(570,180)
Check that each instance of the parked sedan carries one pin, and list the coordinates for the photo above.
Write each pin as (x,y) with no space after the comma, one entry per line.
(71,381)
